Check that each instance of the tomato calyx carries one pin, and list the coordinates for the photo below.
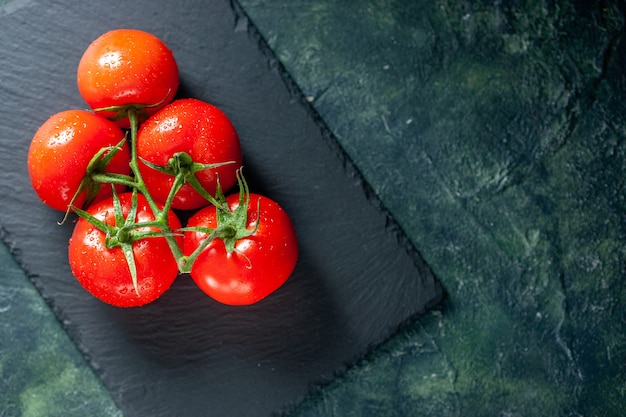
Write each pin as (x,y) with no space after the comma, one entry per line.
(95,176)
(232,225)
(182,166)
(125,231)
(122,111)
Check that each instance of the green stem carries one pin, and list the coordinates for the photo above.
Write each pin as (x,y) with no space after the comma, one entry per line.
(193,181)
(160,215)
(186,263)
(111,178)
(179,180)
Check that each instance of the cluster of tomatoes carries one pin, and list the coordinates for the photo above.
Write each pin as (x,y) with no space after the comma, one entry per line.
(134,163)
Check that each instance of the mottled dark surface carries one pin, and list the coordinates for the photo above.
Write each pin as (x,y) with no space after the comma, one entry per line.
(495,134)
(42,374)
(357,280)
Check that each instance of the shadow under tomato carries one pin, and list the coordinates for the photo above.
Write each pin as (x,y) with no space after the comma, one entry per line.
(295,326)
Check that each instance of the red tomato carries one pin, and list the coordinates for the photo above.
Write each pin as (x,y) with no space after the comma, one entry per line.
(260,263)
(105,273)
(61,150)
(127,67)
(202,131)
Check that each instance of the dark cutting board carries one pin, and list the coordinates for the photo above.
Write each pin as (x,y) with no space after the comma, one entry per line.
(357,279)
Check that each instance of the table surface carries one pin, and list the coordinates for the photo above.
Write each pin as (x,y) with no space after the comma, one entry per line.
(495,136)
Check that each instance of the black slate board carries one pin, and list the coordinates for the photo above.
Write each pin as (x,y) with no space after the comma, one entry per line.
(357,279)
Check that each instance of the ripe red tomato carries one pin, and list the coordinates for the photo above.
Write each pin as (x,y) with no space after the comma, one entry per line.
(127,67)
(260,263)
(104,272)
(61,150)
(202,131)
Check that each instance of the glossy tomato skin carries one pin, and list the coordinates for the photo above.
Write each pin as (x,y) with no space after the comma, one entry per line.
(262,262)
(104,272)
(61,150)
(199,129)
(127,66)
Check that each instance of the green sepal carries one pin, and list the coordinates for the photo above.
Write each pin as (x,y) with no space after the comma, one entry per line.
(121,234)
(231,225)
(182,164)
(122,110)
(95,176)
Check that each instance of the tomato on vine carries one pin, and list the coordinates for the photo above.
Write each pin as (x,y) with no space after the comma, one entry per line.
(187,137)
(115,236)
(65,154)
(128,245)
(127,67)
(243,255)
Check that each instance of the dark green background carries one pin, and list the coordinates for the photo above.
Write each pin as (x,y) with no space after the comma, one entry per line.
(494,132)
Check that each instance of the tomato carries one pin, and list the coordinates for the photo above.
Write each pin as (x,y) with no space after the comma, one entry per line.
(61,150)
(259,263)
(104,272)
(198,129)
(127,67)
